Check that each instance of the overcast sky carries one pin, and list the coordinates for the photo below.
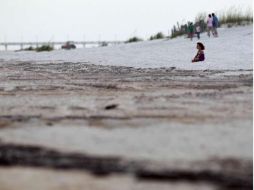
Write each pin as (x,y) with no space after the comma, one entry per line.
(52,20)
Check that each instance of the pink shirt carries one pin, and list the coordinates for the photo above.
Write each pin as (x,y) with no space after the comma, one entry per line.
(210,22)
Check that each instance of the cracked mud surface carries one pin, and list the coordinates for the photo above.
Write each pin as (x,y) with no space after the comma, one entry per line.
(142,127)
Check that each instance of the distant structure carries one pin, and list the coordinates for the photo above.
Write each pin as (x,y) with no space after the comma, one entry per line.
(37,44)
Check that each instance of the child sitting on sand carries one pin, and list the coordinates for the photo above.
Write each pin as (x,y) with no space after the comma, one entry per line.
(200,55)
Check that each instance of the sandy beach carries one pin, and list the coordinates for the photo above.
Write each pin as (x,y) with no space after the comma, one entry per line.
(151,126)
(126,95)
(135,116)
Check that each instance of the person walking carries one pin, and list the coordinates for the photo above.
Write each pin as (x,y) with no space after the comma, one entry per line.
(198,30)
(209,25)
(215,25)
(200,56)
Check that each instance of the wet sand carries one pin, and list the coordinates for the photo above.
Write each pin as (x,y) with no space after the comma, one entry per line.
(158,122)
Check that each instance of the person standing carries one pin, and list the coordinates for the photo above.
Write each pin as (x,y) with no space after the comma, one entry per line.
(215,25)
(209,25)
(191,30)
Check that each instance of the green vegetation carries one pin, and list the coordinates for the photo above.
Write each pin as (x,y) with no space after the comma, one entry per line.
(134,39)
(233,16)
(159,35)
(44,48)
(39,49)
(29,49)
(178,30)
(236,16)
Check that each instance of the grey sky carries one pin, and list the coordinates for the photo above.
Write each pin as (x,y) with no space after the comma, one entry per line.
(31,20)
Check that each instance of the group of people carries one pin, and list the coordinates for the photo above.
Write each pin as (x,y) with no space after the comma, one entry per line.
(212,25)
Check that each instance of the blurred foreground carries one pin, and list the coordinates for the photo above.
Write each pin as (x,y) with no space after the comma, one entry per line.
(84,126)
